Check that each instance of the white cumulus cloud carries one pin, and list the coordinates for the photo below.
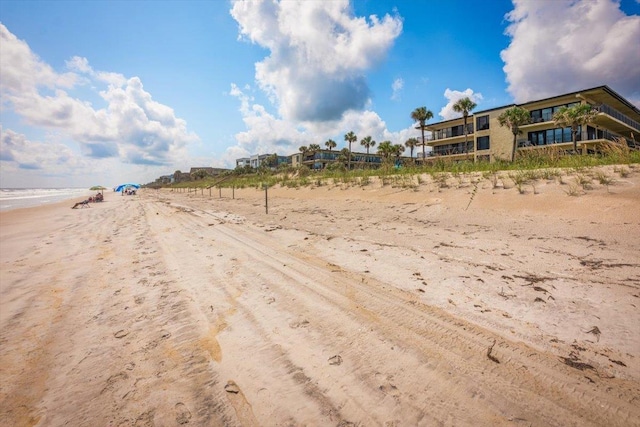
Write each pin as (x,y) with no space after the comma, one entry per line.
(564,45)
(314,75)
(17,152)
(318,54)
(269,134)
(453,96)
(130,126)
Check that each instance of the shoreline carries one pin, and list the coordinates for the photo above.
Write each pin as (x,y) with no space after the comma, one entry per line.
(373,305)
(36,200)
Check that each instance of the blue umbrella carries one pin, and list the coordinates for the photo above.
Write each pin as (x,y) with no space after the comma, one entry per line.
(121,186)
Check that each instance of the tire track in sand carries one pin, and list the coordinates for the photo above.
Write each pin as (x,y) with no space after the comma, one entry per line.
(527,385)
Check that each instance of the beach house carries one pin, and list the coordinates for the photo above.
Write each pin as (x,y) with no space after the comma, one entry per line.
(616,119)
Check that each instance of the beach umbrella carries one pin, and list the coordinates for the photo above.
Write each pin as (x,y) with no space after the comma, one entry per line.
(121,186)
(99,188)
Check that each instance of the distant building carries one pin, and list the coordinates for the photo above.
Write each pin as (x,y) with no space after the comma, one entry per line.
(208,170)
(487,140)
(244,161)
(181,176)
(320,159)
(295,160)
(283,160)
(257,160)
(165,179)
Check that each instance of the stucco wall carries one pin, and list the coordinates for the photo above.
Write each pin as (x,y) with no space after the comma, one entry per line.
(501,138)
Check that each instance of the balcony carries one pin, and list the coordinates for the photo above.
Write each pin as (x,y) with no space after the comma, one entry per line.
(593,139)
(617,115)
(452,132)
(452,149)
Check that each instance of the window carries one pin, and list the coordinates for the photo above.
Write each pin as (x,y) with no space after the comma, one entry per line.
(483,143)
(536,116)
(558,135)
(482,123)
(548,137)
(533,137)
(448,149)
(551,136)
(546,114)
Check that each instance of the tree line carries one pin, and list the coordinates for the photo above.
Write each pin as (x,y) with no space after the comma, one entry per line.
(513,118)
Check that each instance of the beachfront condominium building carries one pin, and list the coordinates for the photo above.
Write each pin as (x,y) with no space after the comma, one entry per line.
(256,160)
(321,159)
(617,119)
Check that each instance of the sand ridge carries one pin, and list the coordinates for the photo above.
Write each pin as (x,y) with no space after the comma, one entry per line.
(344,305)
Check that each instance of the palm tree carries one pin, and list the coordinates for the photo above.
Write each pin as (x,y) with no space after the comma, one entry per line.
(330,144)
(412,143)
(513,118)
(312,150)
(463,106)
(385,149)
(350,137)
(398,149)
(421,115)
(368,143)
(344,155)
(303,150)
(271,161)
(575,116)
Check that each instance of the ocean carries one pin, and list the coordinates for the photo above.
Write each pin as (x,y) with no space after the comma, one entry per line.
(15,198)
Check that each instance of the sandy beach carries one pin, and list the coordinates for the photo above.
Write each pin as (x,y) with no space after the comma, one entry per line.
(457,302)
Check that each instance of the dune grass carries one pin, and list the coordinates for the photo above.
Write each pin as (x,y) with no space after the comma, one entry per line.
(529,166)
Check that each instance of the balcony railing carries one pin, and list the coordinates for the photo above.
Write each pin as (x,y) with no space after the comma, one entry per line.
(451,149)
(452,132)
(601,134)
(604,108)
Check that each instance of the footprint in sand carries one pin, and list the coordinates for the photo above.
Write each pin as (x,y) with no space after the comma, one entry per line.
(121,333)
(243,409)
(335,360)
(296,325)
(232,387)
(183,415)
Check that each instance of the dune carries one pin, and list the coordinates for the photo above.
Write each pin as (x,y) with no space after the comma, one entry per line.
(463,301)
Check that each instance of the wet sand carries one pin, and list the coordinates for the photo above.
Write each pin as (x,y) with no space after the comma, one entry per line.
(457,302)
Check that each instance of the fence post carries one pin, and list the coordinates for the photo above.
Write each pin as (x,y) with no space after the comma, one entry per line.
(266,199)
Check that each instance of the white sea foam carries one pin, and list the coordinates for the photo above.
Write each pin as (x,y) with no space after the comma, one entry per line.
(15,198)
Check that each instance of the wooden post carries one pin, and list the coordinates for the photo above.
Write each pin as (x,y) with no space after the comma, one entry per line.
(220,192)
(233,192)
(266,199)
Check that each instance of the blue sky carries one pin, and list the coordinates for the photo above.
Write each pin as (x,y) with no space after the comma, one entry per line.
(97,92)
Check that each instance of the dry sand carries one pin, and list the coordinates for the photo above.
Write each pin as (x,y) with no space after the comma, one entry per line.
(368,305)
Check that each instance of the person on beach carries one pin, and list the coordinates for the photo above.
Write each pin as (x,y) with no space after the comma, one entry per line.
(84,203)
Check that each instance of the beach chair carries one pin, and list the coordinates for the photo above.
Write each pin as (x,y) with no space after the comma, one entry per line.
(82,204)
